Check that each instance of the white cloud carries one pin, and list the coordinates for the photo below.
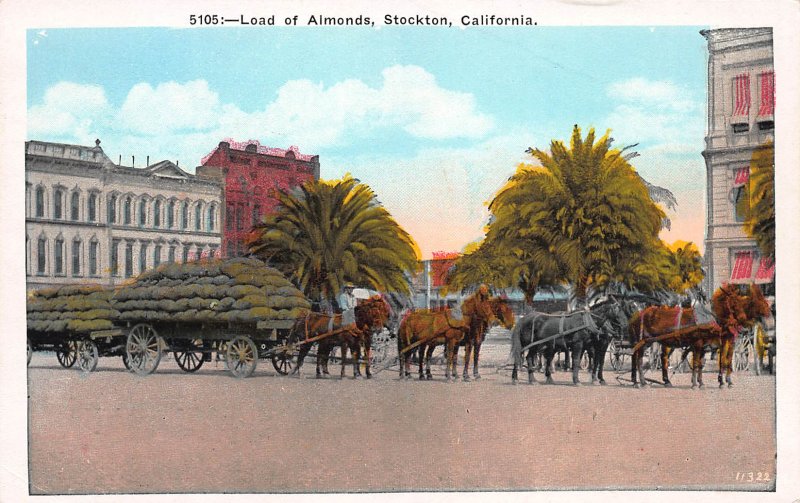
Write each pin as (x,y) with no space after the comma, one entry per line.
(169,107)
(69,108)
(651,93)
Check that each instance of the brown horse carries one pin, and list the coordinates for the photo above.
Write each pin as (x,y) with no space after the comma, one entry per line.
(369,317)
(481,311)
(422,327)
(677,327)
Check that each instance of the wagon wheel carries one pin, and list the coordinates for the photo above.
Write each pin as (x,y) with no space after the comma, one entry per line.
(380,350)
(67,354)
(190,359)
(30,351)
(125,361)
(87,355)
(241,356)
(143,349)
(283,359)
(741,354)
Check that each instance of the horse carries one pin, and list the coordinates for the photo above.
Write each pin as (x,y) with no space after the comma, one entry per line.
(422,327)
(676,327)
(369,316)
(480,310)
(561,332)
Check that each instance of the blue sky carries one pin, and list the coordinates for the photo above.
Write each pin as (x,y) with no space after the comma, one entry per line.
(434,119)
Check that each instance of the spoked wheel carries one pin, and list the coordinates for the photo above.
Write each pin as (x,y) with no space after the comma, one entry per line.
(283,360)
(615,358)
(125,361)
(143,349)
(242,356)
(67,354)
(741,354)
(87,356)
(30,351)
(190,359)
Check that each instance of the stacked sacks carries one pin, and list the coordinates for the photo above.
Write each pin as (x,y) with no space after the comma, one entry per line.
(79,309)
(238,290)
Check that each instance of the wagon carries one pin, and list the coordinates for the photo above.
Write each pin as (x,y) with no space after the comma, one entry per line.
(239,309)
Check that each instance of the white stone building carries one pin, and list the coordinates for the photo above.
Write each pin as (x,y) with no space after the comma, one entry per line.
(88,220)
(741,92)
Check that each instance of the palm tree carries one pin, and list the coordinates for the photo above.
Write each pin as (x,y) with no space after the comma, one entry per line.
(760,222)
(328,233)
(582,217)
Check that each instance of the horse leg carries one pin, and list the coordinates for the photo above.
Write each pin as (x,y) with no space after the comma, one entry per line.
(367,354)
(475,372)
(642,380)
(729,364)
(548,362)
(530,358)
(428,356)
(467,356)
(355,350)
(634,365)
(577,351)
(697,371)
(599,359)
(665,352)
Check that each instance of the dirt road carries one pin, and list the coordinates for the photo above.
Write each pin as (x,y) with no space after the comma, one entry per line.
(112,431)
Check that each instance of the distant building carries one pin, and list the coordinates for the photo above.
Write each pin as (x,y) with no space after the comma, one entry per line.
(251,174)
(88,220)
(741,102)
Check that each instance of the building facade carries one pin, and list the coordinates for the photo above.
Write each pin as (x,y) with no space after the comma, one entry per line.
(741,102)
(251,174)
(88,220)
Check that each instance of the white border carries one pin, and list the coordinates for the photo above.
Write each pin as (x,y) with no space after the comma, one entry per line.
(17,15)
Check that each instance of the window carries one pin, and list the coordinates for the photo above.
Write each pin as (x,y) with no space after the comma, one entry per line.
(112,209)
(74,206)
(93,258)
(143,258)
(40,202)
(58,202)
(185,216)
(741,204)
(115,257)
(171,255)
(741,94)
(92,206)
(256,213)
(171,214)
(156,255)
(185,253)
(157,214)
(126,215)
(198,216)
(41,252)
(767,84)
(76,258)
(741,127)
(229,217)
(211,215)
(239,217)
(58,256)
(128,260)
(142,213)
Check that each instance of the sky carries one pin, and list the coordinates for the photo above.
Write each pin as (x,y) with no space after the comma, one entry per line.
(433,119)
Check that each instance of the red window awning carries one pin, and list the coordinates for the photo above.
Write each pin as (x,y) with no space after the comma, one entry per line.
(742,94)
(766,271)
(767,106)
(742,176)
(742,271)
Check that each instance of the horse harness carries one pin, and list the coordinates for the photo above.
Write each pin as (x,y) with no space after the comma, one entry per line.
(588,323)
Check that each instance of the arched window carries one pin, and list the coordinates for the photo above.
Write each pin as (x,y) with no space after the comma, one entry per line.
(126,211)
(256,213)
(156,255)
(142,213)
(58,256)
(93,254)
(76,257)
(185,216)
(41,258)
(142,257)
(198,216)
(92,206)
(157,213)
(58,204)
(171,215)
(211,216)
(40,202)
(128,260)
(74,206)
(112,209)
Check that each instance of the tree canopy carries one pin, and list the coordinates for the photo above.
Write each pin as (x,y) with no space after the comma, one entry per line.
(759,200)
(328,233)
(583,217)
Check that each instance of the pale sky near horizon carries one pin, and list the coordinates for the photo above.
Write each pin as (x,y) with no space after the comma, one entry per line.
(433,119)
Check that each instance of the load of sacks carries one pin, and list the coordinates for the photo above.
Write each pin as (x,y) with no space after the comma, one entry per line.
(237,290)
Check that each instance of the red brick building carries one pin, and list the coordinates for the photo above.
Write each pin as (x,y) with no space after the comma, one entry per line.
(252,173)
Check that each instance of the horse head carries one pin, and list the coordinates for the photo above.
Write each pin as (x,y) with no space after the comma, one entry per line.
(756,304)
(729,307)
(502,311)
